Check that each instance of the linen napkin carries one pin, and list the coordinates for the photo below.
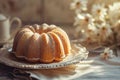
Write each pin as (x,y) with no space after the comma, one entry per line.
(92,69)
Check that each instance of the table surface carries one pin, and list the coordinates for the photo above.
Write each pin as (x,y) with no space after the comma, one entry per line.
(92,69)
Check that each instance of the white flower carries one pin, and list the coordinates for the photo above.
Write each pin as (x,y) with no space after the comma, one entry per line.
(108,53)
(91,26)
(114,12)
(79,5)
(83,19)
(99,23)
(105,29)
(99,12)
(105,32)
(91,35)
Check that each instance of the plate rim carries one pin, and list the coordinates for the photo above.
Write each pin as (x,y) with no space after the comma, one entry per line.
(61,64)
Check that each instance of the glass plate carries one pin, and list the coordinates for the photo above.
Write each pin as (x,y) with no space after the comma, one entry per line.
(78,53)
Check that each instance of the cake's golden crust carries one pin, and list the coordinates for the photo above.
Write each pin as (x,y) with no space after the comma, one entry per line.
(64,38)
(60,54)
(41,43)
(33,48)
(46,52)
(18,36)
(20,48)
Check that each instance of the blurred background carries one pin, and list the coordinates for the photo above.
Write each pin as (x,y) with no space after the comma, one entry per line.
(39,11)
(42,11)
(56,12)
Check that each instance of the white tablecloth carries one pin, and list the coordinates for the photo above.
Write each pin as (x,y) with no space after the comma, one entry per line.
(92,69)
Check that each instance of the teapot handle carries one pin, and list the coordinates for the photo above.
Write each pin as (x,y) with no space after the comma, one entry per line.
(14,29)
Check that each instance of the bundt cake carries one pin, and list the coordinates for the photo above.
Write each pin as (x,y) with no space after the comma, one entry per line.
(41,43)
